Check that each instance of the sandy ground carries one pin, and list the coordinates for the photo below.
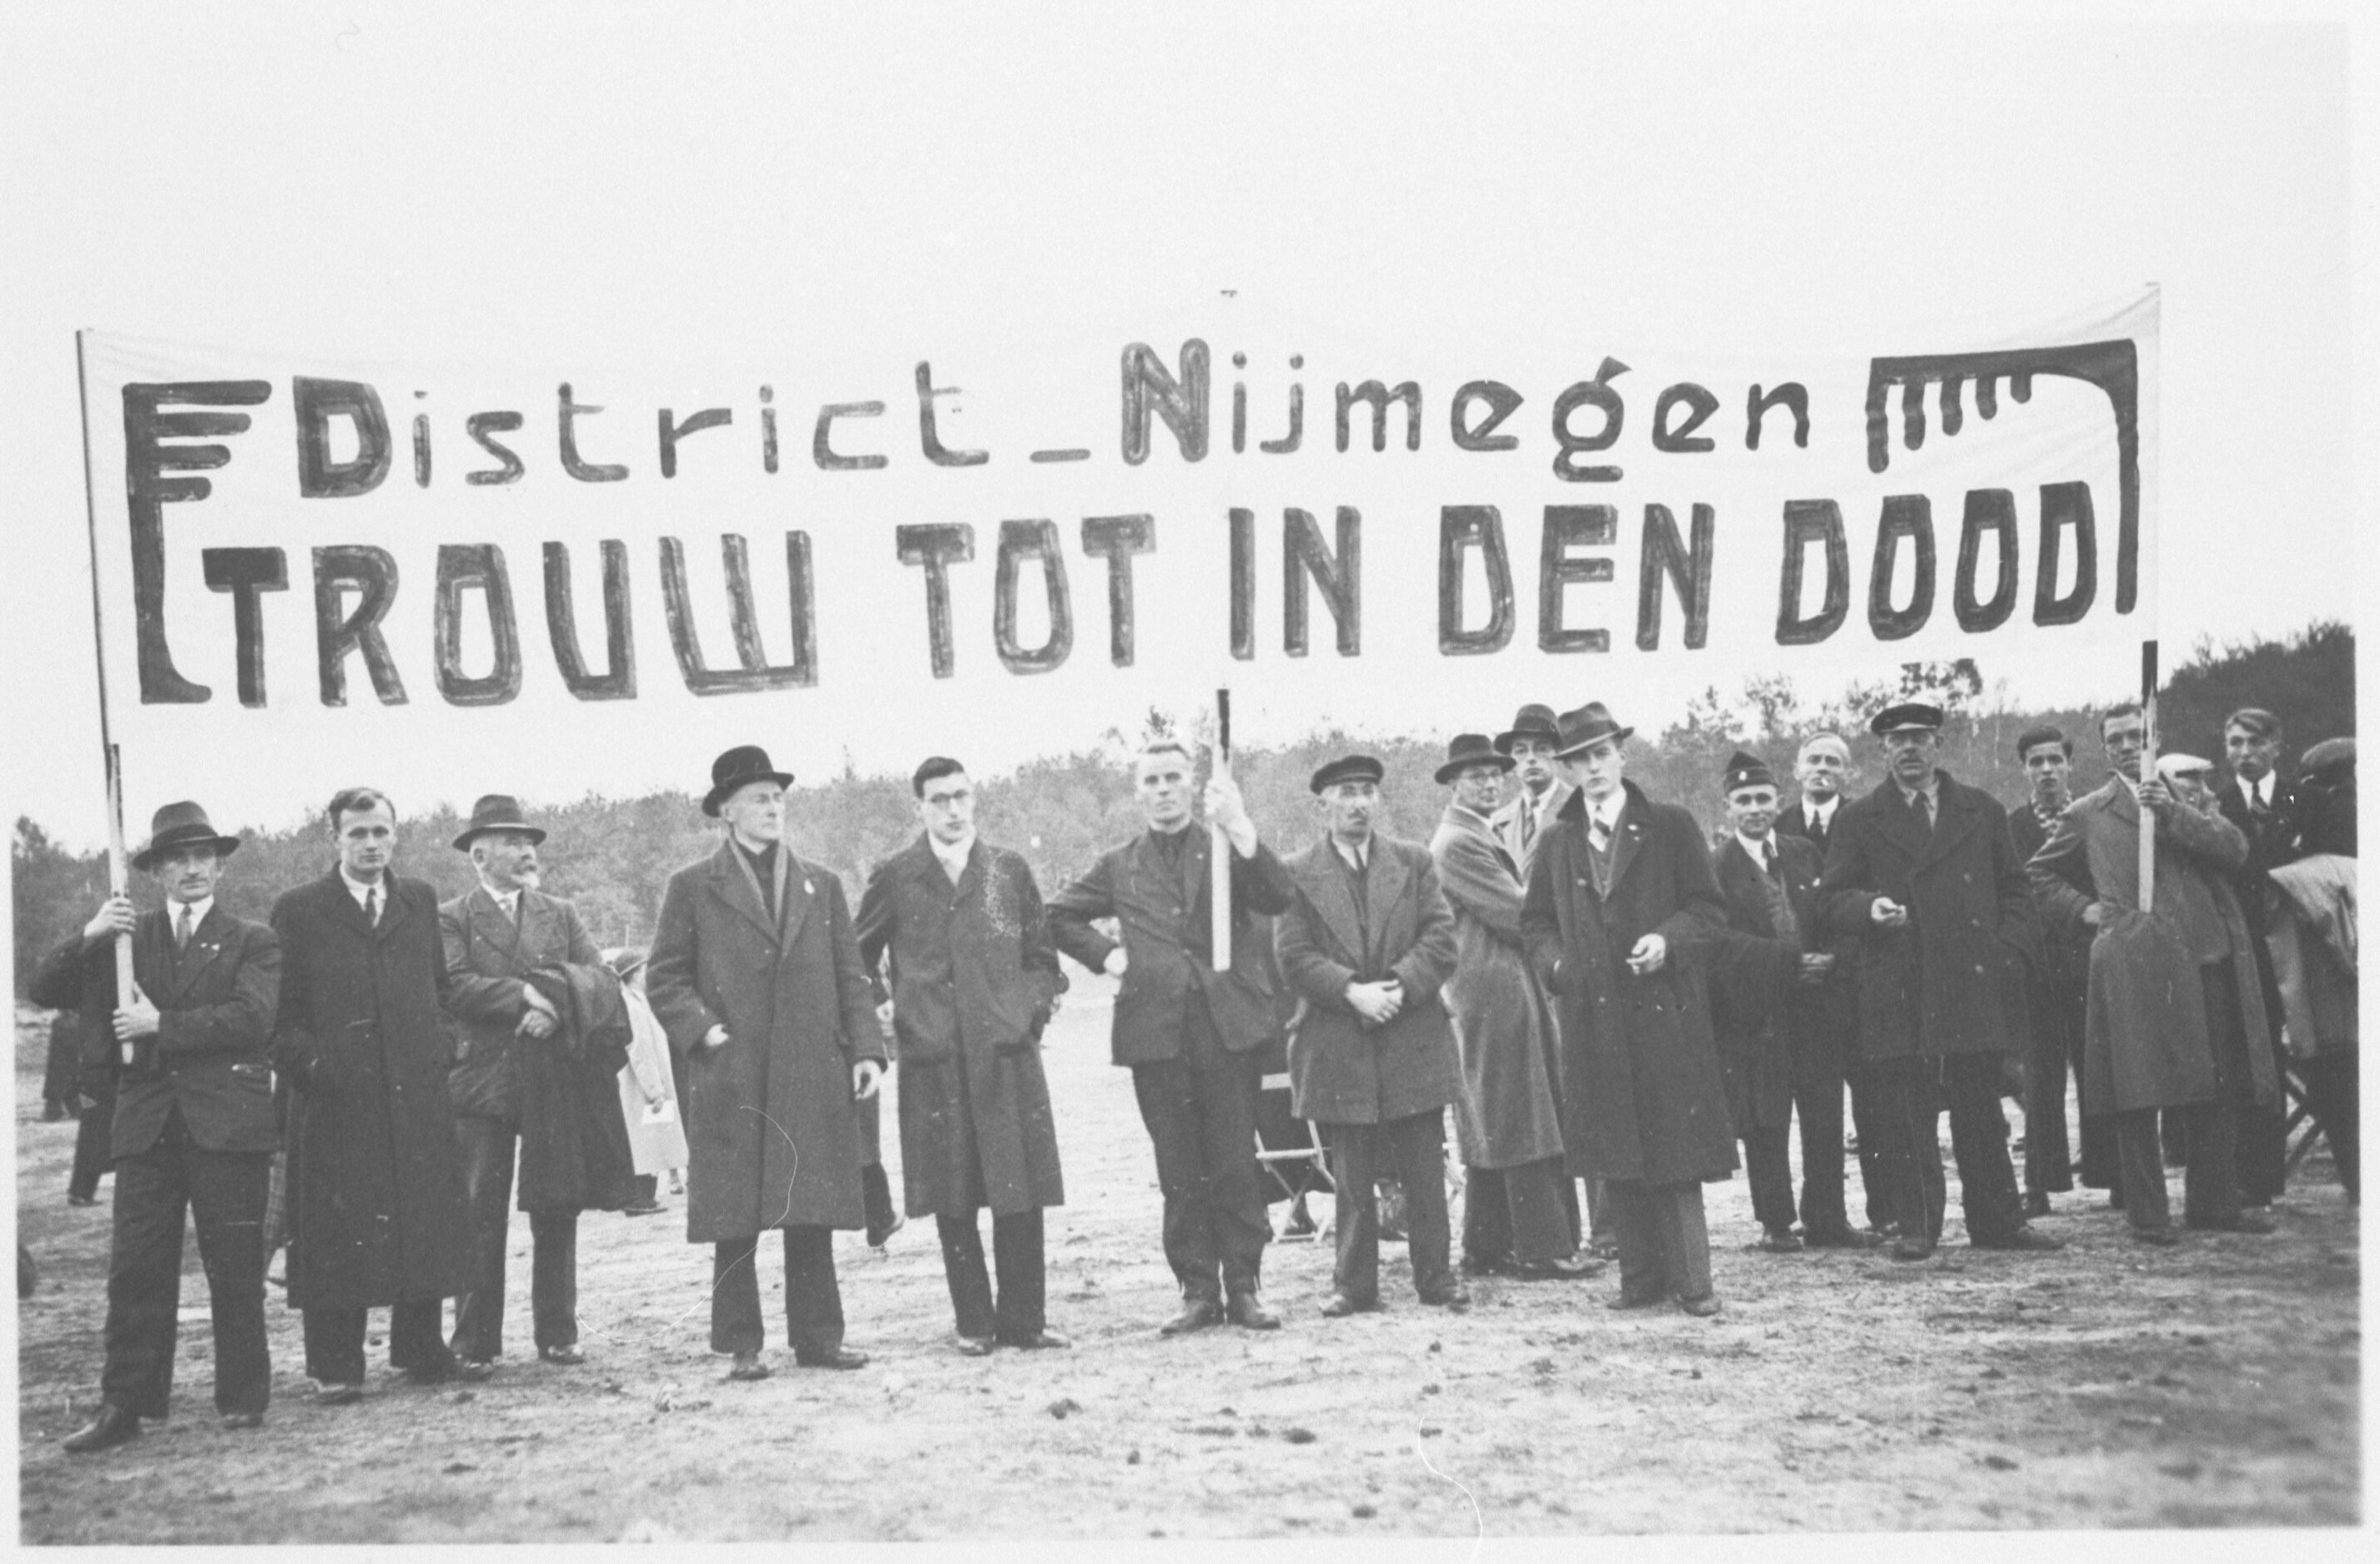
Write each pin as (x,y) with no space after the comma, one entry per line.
(2217,1384)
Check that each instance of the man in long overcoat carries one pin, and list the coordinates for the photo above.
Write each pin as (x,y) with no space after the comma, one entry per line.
(1367,944)
(194,1122)
(2055,990)
(1520,1211)
(1522,822)
(494,935)
(2257,801)
(756,975)
(1768,1018)
(2154,1042)
(972,979)
(1189,1033)
(377,1212)
(1619,913)
(1922,872)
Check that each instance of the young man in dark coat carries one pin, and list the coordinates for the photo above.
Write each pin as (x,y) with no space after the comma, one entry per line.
(2055,989)
(1367,944)
(1188,1033)
(493,936)
(2257,801)
(193,1125)
(1777,1055)
(756,976)
(973,977)
(1620,911)
(1922,873)
(377,1212)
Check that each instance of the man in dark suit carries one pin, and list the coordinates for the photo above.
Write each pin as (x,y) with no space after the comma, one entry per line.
(193,1125)
(1778,1056)
(493,936)
(1922,873)
(1821,771)
(2056,990)
(973,977)
(1188,1033)
(377,1212)
(2256,802)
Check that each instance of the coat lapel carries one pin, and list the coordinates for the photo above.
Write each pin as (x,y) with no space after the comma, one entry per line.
(191,962)
(1382,891)
(730,885)
(1899,824)
(1956,820)
(800,891)
(1325,886)
(491,927)
(1630,838)
(1740,879)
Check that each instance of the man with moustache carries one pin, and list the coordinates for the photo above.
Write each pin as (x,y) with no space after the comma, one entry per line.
(493,936)
(193,1126)
(1821,771)
(973,977)
(1620,913)
(1367,945)
(1922,874)
(1189,1033)
(377,1210)
(2056,991)
(756,976)
(2256,802)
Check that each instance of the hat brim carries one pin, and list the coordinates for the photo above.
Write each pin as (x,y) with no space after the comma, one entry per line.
(1318,785)
(224,847)
(1454,768)
(726,789)
(462,843)
(1504,742)
(1582,746)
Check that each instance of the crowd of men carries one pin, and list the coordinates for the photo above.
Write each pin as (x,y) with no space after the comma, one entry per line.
(1614,1006)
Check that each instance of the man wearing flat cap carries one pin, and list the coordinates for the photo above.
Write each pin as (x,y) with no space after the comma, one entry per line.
(756,976)
(1620,911)
(193,1126)
(1367,945)
(1520,1205)
(512,1089)
(1189,1033)
(1922,873)
(1778,1057)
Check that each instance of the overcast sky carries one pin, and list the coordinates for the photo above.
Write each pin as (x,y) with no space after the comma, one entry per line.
(530,185)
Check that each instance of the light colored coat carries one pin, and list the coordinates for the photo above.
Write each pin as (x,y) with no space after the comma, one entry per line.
(658,1146)
(1505,824)
(1510,1112)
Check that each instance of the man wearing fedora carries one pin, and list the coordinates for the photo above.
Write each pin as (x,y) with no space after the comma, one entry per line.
(193,1128)
(1189,1032)
(1367,944)
(1520,1205)
(973,975)
(1539,791)
(1620,913)
(1922,872)
(756,976)
(376,1208)
(494,935)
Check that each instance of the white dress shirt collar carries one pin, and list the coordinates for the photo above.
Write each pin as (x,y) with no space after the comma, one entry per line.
(358,889)
(198,911)
(952,857)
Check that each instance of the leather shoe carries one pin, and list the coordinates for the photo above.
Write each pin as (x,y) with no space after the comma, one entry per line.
(243,1420)
(1246,1310)
(2036,1205)
(2163,1237)
(1197,1314)
(113,1426)
(1778,1241)
(1473,1265)
(1844,1238)
(1702,1307)
(1453,1297)
(878,1237)
(840,1357)
(440,1371)
(1650,1299)
(1036,1341)
(561,1357)
(2023,1239)
(337,1395)
(2246,1221)
(1565,1267)
(82,1199)
(1341,1307)
(1913,1247)
(747,1368)
(975,1346)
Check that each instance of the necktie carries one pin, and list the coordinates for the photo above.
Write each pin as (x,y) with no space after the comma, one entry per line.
(182,928)
(1925,809)
(1599,830)
(1529,823)
(372,905)
(1769,857)
(520,908)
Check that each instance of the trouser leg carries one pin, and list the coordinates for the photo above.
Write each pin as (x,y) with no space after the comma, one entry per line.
(1016,1250)
(335,1345)
(1979,1141)
(488,1146)
(1486,1217)
(1169,1108)
(1354,1165)
(2048,1160)
(1644,1259)
(1542,1224)
(1599,1228)
(1677,1212)
(2260,1132)
(1227,1087)
(415,1339)
(813,1296)
(1419,1145)
(228,1194)
(735,1295)
(553,1278)
(1818,1105)
(2211,1186)
(962,1269)
(1770,1173)
(2331,1083)
(144,1273)
(2140,1167)
(1868,1123)
(1912,1154)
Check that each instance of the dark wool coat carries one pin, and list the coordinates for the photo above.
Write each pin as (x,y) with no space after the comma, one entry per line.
(1642,1095)
(1934,985)
(1341,1070)
(1510,1112)
(62,1073)
(1829,1010)
(376,1206)
(972,975)
(216,1004)
(2145,1042)
(1162,916)
(770,1121)
(487,956)
(574,1140)
(1756,978)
